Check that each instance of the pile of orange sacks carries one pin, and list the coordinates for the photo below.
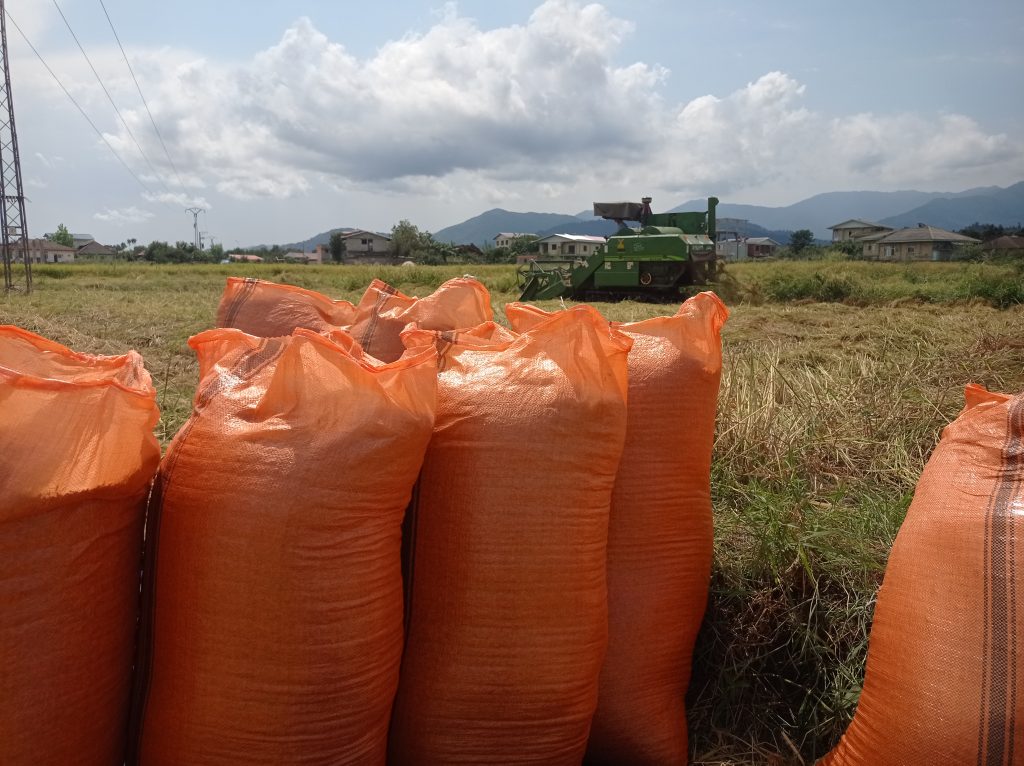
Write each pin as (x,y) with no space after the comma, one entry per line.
(398,532)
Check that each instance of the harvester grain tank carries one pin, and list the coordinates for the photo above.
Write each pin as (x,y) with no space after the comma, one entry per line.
(659,260)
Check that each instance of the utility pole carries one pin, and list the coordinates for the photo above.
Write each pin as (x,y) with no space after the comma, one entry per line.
(14,237)
(195,211)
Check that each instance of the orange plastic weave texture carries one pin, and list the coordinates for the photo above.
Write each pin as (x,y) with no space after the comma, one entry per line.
(383,312)
(273,621)
(268,309)
(944,682)
(77,456)
(508,599)
(660,532)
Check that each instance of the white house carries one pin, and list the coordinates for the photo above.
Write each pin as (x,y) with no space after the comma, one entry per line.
(915,243)
(855,228)
(569,245)
(45,251)
(360,242)
(742,248)
(506,238)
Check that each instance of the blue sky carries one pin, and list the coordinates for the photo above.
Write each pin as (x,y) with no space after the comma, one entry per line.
(285,119)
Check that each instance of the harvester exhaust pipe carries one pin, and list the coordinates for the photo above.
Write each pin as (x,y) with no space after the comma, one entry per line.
(645,211)
(712,221)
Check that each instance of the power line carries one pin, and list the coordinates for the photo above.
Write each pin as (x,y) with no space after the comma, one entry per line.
(110,98)
(78,106)
(144,102)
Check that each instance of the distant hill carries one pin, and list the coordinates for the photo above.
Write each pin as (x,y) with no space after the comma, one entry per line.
(947,210)
(307,245)
(819,212)
(993,205)
(747,228)
(480,230)
(594,226)
(603,228)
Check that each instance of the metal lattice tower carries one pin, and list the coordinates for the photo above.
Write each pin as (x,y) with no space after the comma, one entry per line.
(197,242)
(12,210)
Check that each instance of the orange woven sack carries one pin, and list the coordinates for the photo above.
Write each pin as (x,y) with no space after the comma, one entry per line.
(944,682)
(383,313)
(272,628)
(268,309)
(485,335)
(77,456)
(507,602)
(660,532)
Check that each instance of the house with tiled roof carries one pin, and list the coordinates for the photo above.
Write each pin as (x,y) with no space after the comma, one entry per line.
(856,228)
(506,238)
(94,249)
(1006,244)
(915,243)
(48,251)
(360,242)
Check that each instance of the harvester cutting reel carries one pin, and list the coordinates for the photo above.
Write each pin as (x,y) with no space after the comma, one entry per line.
(541,281)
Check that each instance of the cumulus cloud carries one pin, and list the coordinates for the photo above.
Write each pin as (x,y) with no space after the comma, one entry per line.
(123,215)
(917,149)
(763,135)
(454,98)
(532,107)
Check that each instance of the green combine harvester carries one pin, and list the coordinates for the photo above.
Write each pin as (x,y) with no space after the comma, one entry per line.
(658,261)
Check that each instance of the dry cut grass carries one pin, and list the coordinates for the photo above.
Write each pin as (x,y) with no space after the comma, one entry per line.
(827,414)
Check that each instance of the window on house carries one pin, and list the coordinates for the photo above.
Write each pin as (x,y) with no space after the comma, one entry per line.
(910,249)
(572,249)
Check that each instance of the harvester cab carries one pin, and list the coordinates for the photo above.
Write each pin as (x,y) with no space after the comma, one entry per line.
(657,260)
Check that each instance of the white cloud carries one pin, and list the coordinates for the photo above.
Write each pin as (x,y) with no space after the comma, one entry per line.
(762,135)
(123,215)
(454,98)
(523,112)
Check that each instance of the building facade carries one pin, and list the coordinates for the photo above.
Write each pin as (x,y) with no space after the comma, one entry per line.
(583,245)
(45,251)
(856,228)
(360,242)
(506,238)
(916,243)
(96,250)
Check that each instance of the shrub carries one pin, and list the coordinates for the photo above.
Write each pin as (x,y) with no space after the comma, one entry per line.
(815,286)
(997,290)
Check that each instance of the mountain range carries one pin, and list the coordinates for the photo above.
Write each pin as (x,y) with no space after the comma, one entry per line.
(947,210)
(953,210)
(481,229)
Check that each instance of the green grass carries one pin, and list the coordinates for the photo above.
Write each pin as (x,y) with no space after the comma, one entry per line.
(828,411)
(862,283)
